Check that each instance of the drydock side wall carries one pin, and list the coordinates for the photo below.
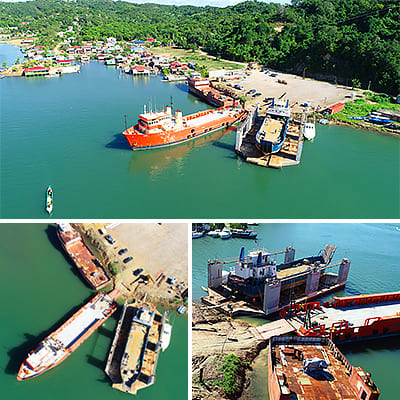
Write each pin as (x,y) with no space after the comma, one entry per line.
(272,294)
(343,271)
(312,283)
(289,255)
(214,274)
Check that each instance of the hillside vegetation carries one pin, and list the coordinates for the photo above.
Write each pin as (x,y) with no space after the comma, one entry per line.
(348,41)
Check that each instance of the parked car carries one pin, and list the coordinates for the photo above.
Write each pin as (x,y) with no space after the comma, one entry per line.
(251,91)
(136,272)
(127,259)
(110,239)
(122,251)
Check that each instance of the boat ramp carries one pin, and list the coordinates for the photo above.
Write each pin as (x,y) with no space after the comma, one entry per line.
(245,146)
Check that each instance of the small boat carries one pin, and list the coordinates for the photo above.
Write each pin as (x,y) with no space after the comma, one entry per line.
(165,336)
(225,234)
(323,121)
(214,234)
(244,233)
(49,200)
(181,309)
(309,130)
(196,235)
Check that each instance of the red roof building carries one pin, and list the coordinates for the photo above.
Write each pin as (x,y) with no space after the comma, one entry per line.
(335,108)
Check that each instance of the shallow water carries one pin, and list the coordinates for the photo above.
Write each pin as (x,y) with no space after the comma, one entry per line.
(66,132)
(40,290)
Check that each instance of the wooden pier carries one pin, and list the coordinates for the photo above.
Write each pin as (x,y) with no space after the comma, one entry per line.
(290,154)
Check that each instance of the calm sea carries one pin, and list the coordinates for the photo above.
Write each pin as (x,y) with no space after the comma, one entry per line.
(373,251)
(66,132)
(40,289)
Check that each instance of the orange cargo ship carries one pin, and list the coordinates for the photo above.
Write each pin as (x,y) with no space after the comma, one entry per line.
(159,129)
(56,347)
(85,261)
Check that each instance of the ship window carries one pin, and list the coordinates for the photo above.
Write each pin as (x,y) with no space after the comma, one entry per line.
(363,395)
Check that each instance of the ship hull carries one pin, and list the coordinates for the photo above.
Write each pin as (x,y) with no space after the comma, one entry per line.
(140,141)
(27,371)
(76,262)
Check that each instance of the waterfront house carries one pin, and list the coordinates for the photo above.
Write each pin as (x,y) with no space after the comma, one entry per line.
(36,71)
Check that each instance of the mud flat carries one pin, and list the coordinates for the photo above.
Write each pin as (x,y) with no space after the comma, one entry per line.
(219,343)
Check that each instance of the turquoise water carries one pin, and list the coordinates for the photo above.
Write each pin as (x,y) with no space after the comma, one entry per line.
(373,251)
(66,132)
(40,289)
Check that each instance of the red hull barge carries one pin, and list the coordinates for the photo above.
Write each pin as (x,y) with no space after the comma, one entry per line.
(314,369)
(202,88)
(159,129)
(60,344)
(87,264)
(352,318)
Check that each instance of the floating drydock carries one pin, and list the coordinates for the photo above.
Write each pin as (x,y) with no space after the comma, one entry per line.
(347,319)
(270,140)
(69,336)
(259,285)
(87,264)
(314,368)
(141,332)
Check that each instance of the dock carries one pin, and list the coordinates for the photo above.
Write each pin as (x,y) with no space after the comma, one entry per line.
(245,146)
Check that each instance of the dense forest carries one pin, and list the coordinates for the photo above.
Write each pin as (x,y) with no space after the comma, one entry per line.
(348,41)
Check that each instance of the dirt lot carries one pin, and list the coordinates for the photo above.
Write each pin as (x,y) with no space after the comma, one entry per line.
(297,89)
(213,335)
(154,248)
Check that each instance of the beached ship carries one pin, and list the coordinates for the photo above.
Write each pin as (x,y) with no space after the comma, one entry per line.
(272,133)
(60,344)
(159,129)
(87,264)
(141,332)
(314,368)
(202,88)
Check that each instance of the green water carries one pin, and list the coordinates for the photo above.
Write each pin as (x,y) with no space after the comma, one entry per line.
(66,132)
(40,288)
(373,251)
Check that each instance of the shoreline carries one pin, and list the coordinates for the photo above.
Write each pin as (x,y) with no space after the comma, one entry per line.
(216,337)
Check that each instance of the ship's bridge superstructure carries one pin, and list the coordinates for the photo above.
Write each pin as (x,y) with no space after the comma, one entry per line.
(272,133)
(257,265)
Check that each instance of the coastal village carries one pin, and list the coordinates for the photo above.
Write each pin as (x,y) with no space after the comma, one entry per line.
(261,139)
(123,274)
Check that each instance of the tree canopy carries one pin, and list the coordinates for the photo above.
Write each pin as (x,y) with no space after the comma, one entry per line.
(342,40)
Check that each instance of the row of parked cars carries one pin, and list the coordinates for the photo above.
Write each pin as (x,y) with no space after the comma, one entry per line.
(112,241)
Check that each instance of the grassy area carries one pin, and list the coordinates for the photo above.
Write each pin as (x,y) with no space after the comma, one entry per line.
(362,107)
(199,57)
(230,366)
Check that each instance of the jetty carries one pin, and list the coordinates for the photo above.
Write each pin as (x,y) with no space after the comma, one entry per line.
(289,154)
